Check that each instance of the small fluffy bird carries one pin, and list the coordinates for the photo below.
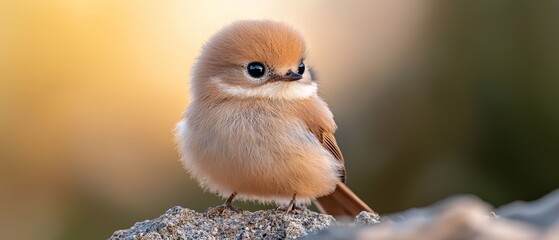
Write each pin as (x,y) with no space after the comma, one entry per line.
(256,128)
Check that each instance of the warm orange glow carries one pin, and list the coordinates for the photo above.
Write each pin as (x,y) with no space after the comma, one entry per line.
(90,92)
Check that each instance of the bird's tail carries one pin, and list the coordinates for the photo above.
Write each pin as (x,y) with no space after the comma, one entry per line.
(342,202)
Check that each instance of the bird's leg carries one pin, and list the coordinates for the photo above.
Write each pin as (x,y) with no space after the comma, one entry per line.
(224,206)
(292,206)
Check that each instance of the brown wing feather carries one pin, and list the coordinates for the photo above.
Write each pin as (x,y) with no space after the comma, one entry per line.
(329,142)
(341,202)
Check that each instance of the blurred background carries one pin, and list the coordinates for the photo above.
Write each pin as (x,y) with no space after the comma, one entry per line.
(432,98)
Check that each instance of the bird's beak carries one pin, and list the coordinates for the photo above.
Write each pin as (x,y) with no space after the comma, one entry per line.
(289,77)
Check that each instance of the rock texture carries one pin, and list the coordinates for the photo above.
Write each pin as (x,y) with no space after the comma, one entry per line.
(541,213)
(181,223)
(463,217)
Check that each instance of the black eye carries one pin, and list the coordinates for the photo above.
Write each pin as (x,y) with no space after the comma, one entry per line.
(301,68)
(256,69)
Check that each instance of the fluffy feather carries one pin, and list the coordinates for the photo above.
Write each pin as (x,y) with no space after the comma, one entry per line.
(265,140)
(276,90)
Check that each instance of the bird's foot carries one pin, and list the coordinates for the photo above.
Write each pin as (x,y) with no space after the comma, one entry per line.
(226,206)
(222,208)
(290,208)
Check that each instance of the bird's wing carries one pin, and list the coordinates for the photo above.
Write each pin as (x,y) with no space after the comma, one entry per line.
(329,142)
(341,202)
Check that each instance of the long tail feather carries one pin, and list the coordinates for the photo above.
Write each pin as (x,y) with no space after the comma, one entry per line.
(342,202)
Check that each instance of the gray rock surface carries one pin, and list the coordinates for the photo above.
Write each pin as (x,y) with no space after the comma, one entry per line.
(367,218)
(455,218)
(181,223)
(462,217)
(541,213)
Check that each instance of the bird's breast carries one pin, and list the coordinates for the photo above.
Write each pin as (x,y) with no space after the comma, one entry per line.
(256,149)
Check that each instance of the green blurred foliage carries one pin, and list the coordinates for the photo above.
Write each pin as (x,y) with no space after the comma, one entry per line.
(476,113)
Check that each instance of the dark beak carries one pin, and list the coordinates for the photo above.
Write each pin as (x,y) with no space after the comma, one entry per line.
(289,77)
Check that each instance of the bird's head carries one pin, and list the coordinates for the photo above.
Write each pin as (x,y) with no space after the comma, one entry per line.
(254,59)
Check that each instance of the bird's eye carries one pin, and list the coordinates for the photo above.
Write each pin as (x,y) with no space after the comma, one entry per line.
(256,69)
(301,68)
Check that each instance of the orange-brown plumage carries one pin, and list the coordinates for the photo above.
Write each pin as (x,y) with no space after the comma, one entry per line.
(267,41)
(274,43)
(265,137)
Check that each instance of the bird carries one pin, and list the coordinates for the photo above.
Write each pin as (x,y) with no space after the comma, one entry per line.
(256,129)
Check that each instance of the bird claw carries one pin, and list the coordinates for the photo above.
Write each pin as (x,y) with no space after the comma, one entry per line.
(222,208)
(289,208)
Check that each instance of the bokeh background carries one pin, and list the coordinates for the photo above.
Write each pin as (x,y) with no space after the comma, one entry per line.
(433,98)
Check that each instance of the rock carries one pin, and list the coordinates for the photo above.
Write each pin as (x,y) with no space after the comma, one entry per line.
(462,217)
(367,218)
(181,223)
(541,213)
(455,218)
